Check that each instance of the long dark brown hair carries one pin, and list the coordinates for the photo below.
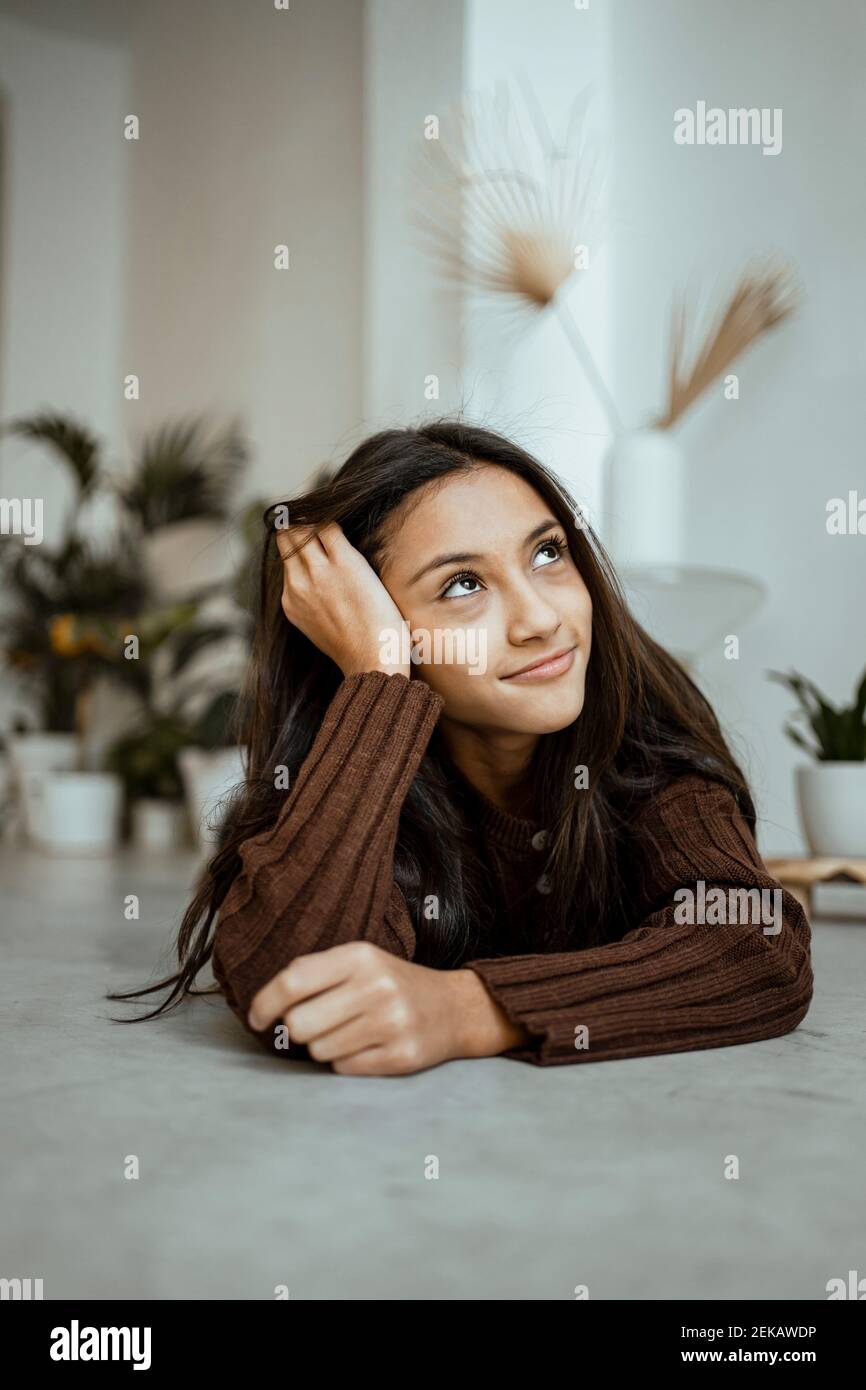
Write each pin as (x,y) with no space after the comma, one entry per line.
(644,722)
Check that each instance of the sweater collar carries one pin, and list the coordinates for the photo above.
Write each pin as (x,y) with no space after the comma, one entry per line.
(501,827)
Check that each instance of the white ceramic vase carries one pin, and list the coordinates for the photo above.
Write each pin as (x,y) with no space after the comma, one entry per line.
(832,800)
(31,756)
(77,812)
(158,826)
(646,477)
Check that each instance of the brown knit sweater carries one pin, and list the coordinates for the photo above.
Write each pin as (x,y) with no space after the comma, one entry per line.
(322,875)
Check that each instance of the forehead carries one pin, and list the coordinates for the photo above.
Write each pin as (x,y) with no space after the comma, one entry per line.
(481,507)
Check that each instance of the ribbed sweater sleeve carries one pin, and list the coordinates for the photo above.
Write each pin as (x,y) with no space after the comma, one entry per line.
(667,986)
(322,873)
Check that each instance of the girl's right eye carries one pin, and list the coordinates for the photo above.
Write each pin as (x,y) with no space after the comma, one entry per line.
(467,578)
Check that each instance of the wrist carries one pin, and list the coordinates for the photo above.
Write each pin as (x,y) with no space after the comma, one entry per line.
(391,654)
(482,1027)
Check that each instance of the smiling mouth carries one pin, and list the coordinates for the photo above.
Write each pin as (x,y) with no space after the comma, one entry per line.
(546,668)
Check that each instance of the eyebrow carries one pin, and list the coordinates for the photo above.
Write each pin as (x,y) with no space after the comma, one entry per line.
(463,557)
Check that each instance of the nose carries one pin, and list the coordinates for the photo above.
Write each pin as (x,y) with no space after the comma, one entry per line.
(528,614)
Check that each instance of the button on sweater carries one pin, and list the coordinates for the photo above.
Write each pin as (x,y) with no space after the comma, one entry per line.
(322,874)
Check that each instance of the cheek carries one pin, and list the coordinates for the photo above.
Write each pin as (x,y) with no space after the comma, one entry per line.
(463,636)
(585,609)
(456,660)
(458,664)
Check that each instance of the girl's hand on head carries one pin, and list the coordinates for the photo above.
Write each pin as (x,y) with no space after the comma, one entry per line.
(338,601)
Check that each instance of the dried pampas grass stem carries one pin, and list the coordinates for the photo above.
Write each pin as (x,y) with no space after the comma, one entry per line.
(760,300)
(594,376)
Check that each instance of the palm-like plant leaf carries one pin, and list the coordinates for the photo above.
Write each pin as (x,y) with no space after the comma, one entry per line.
(77,447)
(840,734)
(182,476)
(762,298)
(796,737)
(188,644)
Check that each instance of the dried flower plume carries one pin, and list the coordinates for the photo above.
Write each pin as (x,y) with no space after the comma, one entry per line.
(505,209)
(760,300)
(501,204)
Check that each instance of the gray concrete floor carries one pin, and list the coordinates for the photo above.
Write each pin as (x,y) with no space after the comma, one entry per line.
(255,1174)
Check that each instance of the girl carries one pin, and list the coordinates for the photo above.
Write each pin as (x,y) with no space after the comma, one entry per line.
(490,838)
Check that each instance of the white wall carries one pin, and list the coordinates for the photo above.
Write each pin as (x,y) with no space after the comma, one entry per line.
(762,467)
(534,388)
(251,137)
(413,67)
(63,188)
(155,257)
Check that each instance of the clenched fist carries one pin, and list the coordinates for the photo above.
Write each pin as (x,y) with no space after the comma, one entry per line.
(370,1013)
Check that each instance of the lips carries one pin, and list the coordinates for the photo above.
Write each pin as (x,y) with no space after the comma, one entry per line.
(542,661)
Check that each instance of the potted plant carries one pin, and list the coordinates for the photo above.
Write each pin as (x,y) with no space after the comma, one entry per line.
(176,771)
(182,746)
(146,760)
(74,604)
(62,632)
(37,582)
(179,496)
(211,764)
(831,791)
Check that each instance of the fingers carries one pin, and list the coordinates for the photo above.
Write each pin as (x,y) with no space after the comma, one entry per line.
(295,540)
(331,1008)
(292,540)
(333,538)
(306,975)
(355,1035)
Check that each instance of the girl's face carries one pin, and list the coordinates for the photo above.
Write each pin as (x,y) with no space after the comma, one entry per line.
(480,569)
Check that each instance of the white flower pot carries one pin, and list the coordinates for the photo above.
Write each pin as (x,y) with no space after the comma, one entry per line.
(208,778)
(646,477)
(30,757)
(832,799)
(158,825)
(78,812)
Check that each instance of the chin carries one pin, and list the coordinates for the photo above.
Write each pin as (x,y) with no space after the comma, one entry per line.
(548,713)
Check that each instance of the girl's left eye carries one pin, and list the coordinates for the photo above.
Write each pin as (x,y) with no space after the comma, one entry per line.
(555,543)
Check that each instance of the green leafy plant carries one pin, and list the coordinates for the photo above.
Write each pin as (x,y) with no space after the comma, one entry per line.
(75,445)
(147,758)
(839,734)
(70,606)
(63,602)
(180,476)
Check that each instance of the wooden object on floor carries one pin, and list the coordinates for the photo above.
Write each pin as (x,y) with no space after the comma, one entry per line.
(800,876)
